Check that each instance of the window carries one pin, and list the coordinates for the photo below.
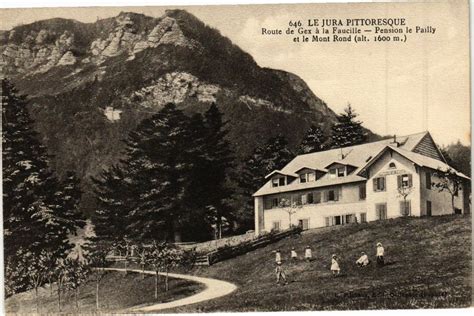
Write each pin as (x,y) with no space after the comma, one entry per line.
(276,225)
(297,199)
(275,202)
(363,217)
(379,184)
(392,165)
(404,181)
(307,177)
(362,192)
(278,182)
(337,220)
(350,218)
(310,198)
(428,208)
(428,180)
(303,223)
(303,178)
(381,211)
(341,171)
(317,197)
(405,208)
(332,173)
(332,195)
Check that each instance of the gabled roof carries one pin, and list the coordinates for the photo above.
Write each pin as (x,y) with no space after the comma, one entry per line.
(281,173)
(353,155)
(359,156)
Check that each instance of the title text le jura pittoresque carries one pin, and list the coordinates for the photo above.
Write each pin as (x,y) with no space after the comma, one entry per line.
(356,30)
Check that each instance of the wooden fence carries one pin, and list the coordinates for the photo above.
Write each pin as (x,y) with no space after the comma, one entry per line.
(228,252)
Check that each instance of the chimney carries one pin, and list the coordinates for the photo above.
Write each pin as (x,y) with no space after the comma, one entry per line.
(341,155)
(394,142)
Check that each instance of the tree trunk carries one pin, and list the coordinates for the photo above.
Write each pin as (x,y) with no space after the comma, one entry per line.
(36,298)
(143,271)
(166,281)
(76,297)
(50,286)
(452,203)
(97,293)
(59,297)
(156,285)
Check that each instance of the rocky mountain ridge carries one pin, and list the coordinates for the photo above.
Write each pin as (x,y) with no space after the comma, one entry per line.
(90,84)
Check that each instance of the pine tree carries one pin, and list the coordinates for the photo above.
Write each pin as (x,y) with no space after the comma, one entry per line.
(39,212)
(158,151)
(313,141)
(273,155)
(217,165)
(347,131)
(115,200)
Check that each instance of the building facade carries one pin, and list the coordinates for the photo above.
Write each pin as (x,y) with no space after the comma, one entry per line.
(374,181)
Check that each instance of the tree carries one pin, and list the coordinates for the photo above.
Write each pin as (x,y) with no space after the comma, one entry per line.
(218,161)
(39,211)
(96,256)
(76,274)
(404,188)
(289,208)
(273,155)
(448,181)
(60,273)
(347,131)
(458,156)
(160,150)
(313,141)
(114,195)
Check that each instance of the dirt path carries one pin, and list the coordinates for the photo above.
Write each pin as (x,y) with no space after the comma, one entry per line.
(214,289)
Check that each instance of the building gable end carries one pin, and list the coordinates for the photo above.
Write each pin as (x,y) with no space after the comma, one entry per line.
(427,147)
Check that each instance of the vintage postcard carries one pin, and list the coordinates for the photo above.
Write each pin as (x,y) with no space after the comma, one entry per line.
(236,158)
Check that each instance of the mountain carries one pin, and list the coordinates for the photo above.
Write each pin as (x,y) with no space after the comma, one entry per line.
(90,84)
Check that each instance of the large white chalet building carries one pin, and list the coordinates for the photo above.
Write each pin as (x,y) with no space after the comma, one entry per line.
(379,180)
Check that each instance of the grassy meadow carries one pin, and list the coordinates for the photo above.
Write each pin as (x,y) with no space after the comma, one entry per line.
(428,266)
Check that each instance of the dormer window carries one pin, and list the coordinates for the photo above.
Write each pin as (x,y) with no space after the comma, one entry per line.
(278,182)
(337,172)
(307,177)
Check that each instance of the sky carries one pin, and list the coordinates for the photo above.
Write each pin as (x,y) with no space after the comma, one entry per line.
(397,88)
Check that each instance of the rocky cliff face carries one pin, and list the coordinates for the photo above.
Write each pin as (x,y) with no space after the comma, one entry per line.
(91,84)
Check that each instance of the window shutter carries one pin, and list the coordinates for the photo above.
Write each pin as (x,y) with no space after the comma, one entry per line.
(340,193)
(383,183)
(410,181)
(374,181)
(399,181)
(303,199)
(336,194)
(325,196)
(327,221)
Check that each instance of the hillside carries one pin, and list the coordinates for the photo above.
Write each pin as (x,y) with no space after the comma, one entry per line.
(92,83)
(429,266)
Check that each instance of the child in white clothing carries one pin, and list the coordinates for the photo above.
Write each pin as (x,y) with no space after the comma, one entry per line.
(335,266)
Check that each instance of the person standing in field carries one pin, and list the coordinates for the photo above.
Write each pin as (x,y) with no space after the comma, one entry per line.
(335,266)
(380,254)
(278,256)
(308,254)
(280,274)
(294,255)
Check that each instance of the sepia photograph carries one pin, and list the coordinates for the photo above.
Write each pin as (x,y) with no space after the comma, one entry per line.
(236,157)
